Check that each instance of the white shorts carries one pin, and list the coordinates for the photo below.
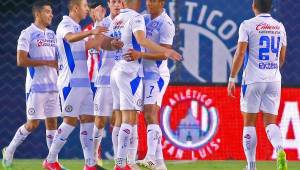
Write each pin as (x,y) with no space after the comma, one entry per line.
(42,105)
(263,97)
(76,101)
(127,89)
(103,102)
(155,90)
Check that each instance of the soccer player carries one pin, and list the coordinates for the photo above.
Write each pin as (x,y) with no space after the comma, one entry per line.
(36,50)
(93,58)
(161,30)
(127,88)
(262,40)
(103,101)
(74,84)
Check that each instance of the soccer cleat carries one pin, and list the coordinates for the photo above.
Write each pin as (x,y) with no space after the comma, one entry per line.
(133,166)
(161,167)
(125,168)
(246,168)
(281,160)
(147,163)
(6,163)
(51,166)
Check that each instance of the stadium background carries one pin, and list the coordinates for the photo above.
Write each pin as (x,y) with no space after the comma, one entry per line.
(207,47)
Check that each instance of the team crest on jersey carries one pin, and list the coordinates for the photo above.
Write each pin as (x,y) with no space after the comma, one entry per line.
(190,122)
(31,111)
(68,108)
(50,35)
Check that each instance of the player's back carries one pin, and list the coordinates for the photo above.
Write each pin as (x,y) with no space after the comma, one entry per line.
(161,30)
(124,25)
(73,69)
(265,37)
(107,60)
(40,45)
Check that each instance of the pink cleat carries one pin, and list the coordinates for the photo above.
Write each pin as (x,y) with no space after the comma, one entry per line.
(51,166)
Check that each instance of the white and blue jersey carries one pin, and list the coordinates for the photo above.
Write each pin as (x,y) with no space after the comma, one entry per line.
(40,45)
(161,30)
(126,82)
(265,37)
(106,62)
(73,70)
(124,26)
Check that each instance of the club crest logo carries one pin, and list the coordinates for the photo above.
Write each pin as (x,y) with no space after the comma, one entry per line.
(190,122)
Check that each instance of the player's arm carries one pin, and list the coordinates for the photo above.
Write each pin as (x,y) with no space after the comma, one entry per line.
(134,55)
(238,58)
(143,41)
(74,37)
(24,61)
(282,56)
(283,48)
(111,44)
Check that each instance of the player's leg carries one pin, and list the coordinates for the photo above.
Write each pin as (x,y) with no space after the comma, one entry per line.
(103,103)
(87,119)
(124,136)
(153,95)
(52,112)
(250,139)
(250,102)
(131,91)
(269,106)
(21,134)
(117,115)
(133,141)
(34,112)
(70,108)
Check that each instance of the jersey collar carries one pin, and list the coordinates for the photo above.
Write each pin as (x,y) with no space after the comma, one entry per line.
(264,15)
(37,28)
(164,11)
(125,10)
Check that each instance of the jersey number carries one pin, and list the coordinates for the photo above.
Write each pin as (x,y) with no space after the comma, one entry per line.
(266,44)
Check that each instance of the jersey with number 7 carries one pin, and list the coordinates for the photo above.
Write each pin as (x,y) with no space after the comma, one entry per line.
(265,37)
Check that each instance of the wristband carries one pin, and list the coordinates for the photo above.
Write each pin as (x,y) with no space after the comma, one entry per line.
(232,79)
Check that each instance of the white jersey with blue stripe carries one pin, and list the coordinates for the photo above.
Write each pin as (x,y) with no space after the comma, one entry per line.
(107,60)
(162,31)
(265,37)
(73,70)
(123,27)
(40,45)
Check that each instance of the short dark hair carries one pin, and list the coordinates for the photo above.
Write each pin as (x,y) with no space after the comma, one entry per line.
(73,2)
(95,3)
(263,6)
(38,5)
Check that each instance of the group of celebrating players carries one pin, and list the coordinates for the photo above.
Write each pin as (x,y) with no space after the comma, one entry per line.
(132,75)
(118,67)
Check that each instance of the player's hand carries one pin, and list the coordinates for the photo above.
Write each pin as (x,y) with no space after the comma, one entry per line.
(131,55)
(231,89)
(99,13)
(172,54)
(99,30)
(52,63)
(117,44)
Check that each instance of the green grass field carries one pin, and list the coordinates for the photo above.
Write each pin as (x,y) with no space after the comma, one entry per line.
(172,165)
